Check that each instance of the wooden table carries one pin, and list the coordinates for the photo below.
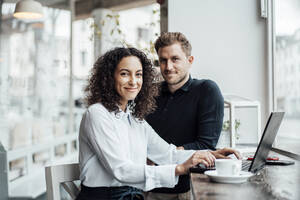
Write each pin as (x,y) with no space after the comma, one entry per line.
(272,182)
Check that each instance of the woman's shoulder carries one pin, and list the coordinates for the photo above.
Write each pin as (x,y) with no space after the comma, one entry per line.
(97,109)
(143,123)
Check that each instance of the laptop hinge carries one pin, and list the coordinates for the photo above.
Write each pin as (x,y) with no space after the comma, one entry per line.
(259,168)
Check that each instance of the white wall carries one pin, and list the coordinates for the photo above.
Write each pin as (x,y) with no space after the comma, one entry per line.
(229,40)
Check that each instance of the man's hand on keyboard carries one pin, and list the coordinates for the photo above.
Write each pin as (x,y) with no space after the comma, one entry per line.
(225,152)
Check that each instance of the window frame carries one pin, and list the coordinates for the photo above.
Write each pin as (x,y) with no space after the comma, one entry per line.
(271,41)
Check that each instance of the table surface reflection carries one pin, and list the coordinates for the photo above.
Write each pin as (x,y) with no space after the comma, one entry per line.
(272,182)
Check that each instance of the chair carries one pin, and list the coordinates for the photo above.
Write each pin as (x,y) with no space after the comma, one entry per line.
(64,175)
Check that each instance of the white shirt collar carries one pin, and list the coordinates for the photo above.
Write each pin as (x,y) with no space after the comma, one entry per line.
(121,114)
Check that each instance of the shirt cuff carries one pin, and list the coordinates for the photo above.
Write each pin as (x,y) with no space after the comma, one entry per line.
(160,176)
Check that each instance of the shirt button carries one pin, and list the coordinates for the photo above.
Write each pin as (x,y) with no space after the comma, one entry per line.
(165,109)
(171,98)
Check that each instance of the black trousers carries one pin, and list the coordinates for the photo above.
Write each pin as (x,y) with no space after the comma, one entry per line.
(110,193)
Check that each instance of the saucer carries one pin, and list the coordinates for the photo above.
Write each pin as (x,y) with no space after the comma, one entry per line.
(228,179)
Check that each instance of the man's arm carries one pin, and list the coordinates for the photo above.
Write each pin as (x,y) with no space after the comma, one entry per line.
(210,117)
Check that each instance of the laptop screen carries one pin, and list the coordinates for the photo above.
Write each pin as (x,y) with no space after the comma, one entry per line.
(266,141)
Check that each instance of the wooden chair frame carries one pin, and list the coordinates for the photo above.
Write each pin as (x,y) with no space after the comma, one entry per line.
(62,175)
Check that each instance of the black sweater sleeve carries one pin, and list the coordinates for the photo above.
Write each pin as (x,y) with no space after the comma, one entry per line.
(210,117)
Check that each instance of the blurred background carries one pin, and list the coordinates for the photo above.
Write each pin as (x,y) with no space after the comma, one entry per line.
(250,48)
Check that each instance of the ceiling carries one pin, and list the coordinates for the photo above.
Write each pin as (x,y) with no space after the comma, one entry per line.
(84,8)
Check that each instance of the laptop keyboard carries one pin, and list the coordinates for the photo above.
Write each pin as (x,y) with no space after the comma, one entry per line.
(201,168)
(246,165)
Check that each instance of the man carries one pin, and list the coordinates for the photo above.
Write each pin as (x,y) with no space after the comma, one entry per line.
(189,112)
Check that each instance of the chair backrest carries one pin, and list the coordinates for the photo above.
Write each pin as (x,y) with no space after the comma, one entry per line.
(62,175)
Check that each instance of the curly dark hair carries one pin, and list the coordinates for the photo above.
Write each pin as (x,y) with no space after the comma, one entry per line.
(101,83)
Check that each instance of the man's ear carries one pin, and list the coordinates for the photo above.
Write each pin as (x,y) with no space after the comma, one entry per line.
(191,59)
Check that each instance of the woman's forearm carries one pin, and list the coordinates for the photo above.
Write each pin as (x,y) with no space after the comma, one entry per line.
(180,170)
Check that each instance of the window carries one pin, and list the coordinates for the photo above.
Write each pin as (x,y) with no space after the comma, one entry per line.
(143,34)
(33,85)
(83,58)
(83,25)
(286,76)
(40,107)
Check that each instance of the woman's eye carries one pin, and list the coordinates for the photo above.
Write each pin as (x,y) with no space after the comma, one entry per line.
(139,74)
(124,74)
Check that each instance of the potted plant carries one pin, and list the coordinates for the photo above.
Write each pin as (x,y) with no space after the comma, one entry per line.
(224,140)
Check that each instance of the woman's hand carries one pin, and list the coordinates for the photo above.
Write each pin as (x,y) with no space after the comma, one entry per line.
(204,157)
(223,153)
(180,148)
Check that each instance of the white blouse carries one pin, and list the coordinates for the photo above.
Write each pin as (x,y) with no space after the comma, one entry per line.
(113,149)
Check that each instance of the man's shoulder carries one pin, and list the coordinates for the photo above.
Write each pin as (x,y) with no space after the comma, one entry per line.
(208,91)
(204,84)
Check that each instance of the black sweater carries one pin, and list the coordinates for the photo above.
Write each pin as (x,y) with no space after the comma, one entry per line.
(191,117)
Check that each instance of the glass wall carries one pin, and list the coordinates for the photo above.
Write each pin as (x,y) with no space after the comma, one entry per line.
(35,89)
(287,72)
(34,77)
(40,108)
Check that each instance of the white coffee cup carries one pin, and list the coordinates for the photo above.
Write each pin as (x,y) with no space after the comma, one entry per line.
(228,167)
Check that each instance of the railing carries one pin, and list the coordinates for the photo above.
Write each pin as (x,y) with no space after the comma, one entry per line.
(29,181)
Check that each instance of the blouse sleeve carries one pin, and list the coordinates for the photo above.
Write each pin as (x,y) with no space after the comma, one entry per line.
(163,153)
(107,145)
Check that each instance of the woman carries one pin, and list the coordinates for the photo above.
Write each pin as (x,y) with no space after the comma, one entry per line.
(114,139)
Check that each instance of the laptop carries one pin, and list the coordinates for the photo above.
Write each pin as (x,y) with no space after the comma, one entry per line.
(265,144)
(263,149)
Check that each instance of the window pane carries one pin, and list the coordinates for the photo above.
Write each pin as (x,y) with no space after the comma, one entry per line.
(83,59)
(287,72)
(34,78)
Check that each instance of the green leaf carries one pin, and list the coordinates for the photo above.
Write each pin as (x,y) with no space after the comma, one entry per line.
(155,11)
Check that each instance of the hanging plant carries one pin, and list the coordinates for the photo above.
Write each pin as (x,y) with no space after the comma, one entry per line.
(115,35)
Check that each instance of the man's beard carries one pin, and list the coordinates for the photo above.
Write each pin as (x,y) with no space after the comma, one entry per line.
(175,82)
